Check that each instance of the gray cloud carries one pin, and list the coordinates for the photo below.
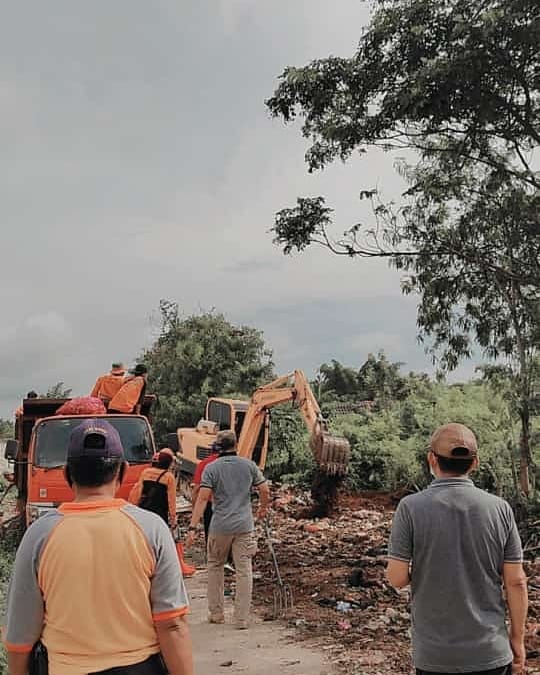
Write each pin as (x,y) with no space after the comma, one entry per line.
(138,162)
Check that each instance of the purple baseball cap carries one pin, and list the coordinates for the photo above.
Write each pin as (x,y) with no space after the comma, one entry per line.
(95,438)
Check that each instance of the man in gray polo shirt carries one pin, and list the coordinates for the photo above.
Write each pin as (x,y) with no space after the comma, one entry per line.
(457,545)
(229,480)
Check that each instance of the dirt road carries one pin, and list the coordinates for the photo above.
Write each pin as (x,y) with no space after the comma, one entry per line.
(265,649)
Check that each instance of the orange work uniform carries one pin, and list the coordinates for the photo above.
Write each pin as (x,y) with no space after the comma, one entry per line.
(91,580)
(154,473)
(129,395)
(107,386)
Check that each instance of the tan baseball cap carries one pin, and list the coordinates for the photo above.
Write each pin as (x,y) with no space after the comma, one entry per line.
(455,441)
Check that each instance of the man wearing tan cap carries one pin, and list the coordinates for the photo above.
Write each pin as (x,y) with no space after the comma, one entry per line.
(457,546)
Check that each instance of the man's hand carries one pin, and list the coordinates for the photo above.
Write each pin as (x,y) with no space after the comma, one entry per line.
(190,539)
(520,654)
(264,495)
(515,584)
(173,522)
(262,512)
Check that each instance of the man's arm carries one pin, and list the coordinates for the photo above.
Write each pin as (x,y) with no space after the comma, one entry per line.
(25,606)
(140,400)
(134,496)
(171,493)
(515,583)
(194,494)
(175,644)
(169,603)
(196,515)
(397,573)
(400,548)
(95,390)
(264,496)
(18,664)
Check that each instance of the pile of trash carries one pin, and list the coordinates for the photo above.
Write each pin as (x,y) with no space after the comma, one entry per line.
(335,568)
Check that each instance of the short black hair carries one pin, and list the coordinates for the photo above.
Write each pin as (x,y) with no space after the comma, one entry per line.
(163,461)
(32,394)
(458,467)
(93,471)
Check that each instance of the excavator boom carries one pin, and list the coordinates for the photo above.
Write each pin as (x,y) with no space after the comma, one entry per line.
(331,452)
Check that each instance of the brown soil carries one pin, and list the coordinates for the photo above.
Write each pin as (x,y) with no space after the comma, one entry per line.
(342,560)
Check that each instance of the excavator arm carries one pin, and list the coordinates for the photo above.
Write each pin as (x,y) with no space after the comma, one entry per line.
(331,453)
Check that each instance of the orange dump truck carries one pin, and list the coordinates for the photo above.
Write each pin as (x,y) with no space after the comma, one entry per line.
(40,448)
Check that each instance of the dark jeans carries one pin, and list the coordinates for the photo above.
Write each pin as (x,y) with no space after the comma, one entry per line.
(505,670)
(152,666)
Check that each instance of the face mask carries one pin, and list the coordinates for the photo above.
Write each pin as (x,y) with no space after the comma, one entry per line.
(432,472)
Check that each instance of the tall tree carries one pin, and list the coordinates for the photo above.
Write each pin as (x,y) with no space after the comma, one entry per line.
(200,356)
(467,232)
(445,78)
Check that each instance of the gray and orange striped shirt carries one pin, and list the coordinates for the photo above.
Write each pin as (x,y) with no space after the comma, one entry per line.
(91,579)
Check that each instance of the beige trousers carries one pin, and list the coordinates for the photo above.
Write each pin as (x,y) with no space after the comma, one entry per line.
(244,547)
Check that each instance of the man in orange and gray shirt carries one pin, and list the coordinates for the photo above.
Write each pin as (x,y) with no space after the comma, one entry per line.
(97,581)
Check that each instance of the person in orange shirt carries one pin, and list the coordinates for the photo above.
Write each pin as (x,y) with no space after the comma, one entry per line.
(196,487)
(130,396)
(97,581)
(108,385)
(156,488)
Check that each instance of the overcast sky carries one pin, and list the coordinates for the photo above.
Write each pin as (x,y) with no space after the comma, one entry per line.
(138,162)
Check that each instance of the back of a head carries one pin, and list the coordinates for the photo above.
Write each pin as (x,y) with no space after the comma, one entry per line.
(32,394)
(163,459)
(95,454)
(118,368)
(226,441)
(455,447)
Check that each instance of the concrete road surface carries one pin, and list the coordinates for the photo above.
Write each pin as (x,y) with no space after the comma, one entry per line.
(264,649)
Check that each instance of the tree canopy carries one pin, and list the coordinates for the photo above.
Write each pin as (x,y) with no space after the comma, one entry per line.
(458,84)
(451,77)
(200,356)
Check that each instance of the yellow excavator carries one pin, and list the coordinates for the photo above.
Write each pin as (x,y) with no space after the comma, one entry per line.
(251,422)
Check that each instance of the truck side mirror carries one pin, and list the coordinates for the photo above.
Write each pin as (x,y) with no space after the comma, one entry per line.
(12,448)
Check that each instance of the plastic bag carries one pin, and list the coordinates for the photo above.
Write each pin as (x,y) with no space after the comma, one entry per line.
(82,405)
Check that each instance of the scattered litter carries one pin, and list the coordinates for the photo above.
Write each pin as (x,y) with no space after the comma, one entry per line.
(343,606)
(336,569)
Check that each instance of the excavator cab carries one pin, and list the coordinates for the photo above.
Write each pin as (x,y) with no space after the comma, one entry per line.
(221,412)
(251,422)
(231,414)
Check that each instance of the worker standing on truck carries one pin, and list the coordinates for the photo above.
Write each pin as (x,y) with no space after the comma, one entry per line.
(156,488)
(229,480)
(108,385)
(463,545)
(130,396)
(106,572)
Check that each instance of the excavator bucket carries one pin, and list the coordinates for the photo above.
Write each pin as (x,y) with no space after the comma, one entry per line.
(331,453)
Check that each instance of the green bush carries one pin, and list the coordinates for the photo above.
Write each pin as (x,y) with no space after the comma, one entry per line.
(389,445)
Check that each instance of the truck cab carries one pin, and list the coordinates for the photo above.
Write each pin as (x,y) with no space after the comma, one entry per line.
(41,448)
